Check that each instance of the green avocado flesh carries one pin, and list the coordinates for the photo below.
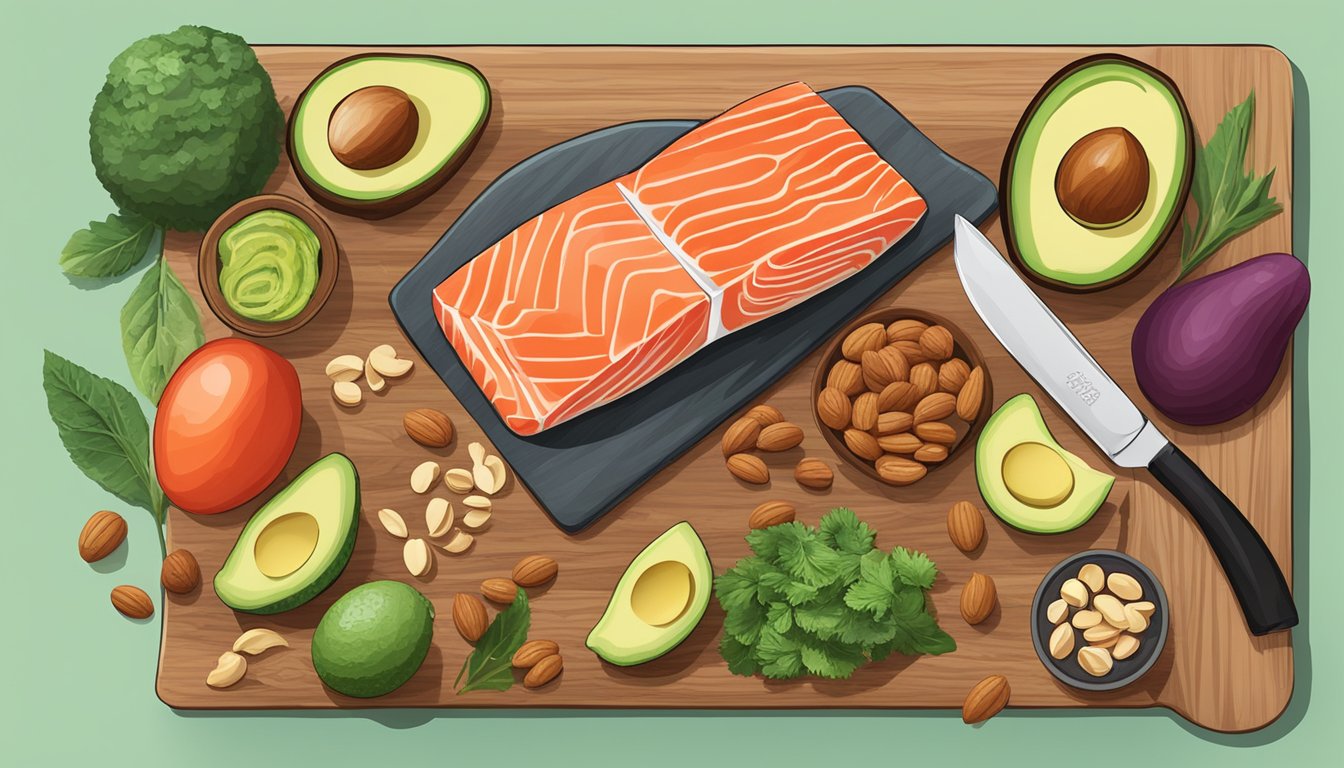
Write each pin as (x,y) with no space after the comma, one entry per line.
(1107,93)
(373,639)
(452,100)
(1018,425)
(297,543)
(268,265)
(659,600)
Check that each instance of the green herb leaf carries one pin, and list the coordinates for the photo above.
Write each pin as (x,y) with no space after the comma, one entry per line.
(1230,200)
(739,657)
(780,655)
(914,569)
(489,667)
(831,658)
(104,431)
(107,248)
(842,530)
(159,328)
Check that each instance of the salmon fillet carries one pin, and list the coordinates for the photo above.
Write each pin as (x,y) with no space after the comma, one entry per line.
(744,216)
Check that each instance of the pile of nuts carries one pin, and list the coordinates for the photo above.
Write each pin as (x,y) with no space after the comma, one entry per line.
(1107,609)
(892,395)
(541,658)
(488,475)
(232,665)
(103,534)
(381,364)
(764,428)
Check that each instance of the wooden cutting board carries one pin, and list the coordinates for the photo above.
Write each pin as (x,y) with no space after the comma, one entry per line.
(966,99)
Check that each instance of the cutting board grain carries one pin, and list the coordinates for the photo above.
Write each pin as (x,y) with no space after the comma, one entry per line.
(967,100)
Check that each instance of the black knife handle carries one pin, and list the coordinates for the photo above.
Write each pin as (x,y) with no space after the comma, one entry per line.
(1256,579)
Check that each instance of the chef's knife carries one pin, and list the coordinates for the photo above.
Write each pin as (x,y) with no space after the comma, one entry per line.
(1048,351)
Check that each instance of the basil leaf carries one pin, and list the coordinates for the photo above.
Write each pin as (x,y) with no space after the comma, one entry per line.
(159,328)
(104,431)
(107,248)
(490,666)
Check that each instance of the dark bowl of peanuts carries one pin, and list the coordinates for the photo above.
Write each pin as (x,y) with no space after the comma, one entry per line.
(900,392)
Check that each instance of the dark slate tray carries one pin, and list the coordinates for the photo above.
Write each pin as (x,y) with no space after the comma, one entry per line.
(581,469)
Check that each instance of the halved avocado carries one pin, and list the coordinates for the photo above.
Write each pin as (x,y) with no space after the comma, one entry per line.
(1091,95)
(452,100)
(297,543)
(1027,479)
(660,598)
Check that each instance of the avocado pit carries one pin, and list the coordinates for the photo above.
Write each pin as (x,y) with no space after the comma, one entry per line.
(1037,475)
(661,593)
(286,544)
(373,127)
(1102,181)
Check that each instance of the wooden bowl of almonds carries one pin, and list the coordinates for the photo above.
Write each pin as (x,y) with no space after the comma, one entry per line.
(899,393)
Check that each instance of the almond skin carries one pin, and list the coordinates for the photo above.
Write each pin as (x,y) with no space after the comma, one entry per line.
(914,354)
(499,590)
(924,378)
(180,573)
(748,468)
(892,422)
(936,432)
(864,414)
(534,570)
(533,651)
(780,437)
(971,394)
(846,377)
(741,436)
(132,602)
(814,474)
(883,367)
(978,598)
(865,338)
(931,453)
(833,408)
(901,442)
(428,427)
(908,329)
(469,616)
(986,699)
(765,415)
(952,375)
(896,470)
(965,526)
(771,513)
(544,671)
(101,536)
(898,396)
(937,343)
(935,407)
(862,444)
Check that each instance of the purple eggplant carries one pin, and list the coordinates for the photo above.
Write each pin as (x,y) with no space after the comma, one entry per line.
(1206,351)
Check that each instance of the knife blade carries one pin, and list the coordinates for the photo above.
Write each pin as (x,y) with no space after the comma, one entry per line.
(1062,366)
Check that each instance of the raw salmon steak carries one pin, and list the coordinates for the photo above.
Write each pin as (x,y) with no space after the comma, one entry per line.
(744,216)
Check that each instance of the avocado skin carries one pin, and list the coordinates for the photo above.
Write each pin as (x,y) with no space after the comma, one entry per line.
(325,578)
(373,639)
(381,209)
(1010,159)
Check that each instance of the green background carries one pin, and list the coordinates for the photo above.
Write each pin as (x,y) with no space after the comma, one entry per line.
(76,680)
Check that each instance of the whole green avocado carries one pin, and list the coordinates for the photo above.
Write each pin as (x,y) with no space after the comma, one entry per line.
(186,125)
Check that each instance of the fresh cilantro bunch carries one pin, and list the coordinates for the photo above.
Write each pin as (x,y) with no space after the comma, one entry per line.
(824,601)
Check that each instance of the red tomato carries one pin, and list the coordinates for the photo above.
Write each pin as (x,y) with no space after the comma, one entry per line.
(227,423)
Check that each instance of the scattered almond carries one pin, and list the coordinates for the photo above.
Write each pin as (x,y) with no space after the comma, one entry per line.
(939,432)
(476,518)
(846,377)
(374,379)
(533,651)
(498,473)
(978,598)
(952,375)
(899,471)
(864,414)
(543,671)
(428,427)
(898,396)
(771,513)
(417,557)
(907,329)
(971,394)
(347,393)
(101,535)
(393,522)
(986,699)
(936,342)
(814,474)
(259,640)
(384,360)
(862,444)
(424,476)
(748,468)
(477,502)
(459,542)
(965,526)
(180,574)
(534,570)
(765,415)
(132,602)
(740,436)
(499,590)
(438,517)
(865,338)
(459,480)
(345,368)
(228,670)
(469,617)
(938,405)
(780,437)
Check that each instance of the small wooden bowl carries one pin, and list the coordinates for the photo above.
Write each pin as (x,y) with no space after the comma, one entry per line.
(207,265)
(963,348)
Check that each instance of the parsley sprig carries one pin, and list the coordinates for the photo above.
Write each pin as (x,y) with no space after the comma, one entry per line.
(824,601)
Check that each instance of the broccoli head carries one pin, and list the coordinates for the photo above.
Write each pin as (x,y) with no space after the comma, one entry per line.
(186,125)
